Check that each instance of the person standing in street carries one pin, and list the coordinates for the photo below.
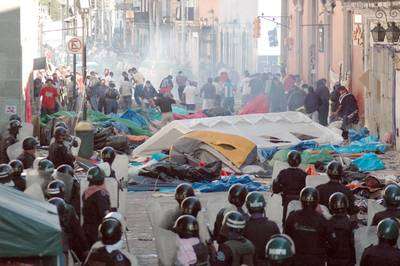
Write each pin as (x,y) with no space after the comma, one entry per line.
(149,94)
(102,90)
(229,100)
(59,153)
(139,80)
(49,96)
(190,93)
(165,102)
(9,138)
(28,156)
(167,85)
(323,93)
(391,197)
(245,88)
(296,98)
(208,93)
(312,104)
(111,100)
(348,109)
(181,81)
(277,97)
(125,91)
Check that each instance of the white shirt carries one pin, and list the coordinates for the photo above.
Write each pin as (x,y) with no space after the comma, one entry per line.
(190,94)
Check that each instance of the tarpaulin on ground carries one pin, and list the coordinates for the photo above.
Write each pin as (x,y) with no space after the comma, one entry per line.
(258,105)
(369,162)
(305,145)
(225,183)
(357,135)
(367,144)
(135,117)
(266,153)
(199,114)
(28,228)
(307,157)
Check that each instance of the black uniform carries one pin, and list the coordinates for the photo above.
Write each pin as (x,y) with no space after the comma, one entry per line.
(59,154)
(26,159)
(327,189)
(20,183)
(100,256)
(259,231)
(234,252)
(290,182)
(75,199)
(170,217)
(310,232)
(6,141)
(72,229)
(388,213)
(381,254)
(342,252)
(95,207)
(220,218)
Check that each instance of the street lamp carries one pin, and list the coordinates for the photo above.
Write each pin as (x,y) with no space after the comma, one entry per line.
(392,32)
(378,33)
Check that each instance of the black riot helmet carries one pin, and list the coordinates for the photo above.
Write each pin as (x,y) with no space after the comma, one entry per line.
(61,124)
(309,197)
(30,143)
(280,249)
(237,195)
(294,158)
(388,231)
(110,231)
(107,155)
(338,203)
(191,206)
(334,170)
(65,170)
(60,134)
(46,166)
(14,117)
(234,222)
(186,226)
(392,195)
(14,126)
(16,168)
(255,202)
(55,188)
(5,173)
(183,191)
(95,176)
(59,203)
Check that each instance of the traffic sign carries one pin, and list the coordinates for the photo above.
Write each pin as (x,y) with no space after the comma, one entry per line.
(75,45)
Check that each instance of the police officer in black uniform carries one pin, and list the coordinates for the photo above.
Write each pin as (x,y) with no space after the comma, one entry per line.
(96,204)
(335,172)
(107,154)
(236,197)
(236,250)
(280,251)
(16,175)
(259,228)
(343,252)
(290,181)
(182,191)
(5,173)
(45,171)
(309,230)
(110,232)
(9,138)
(187,227)
(386,252)
(59,153)
(392,200)
(27,157)
(67,174)
(191,206)
(75,237)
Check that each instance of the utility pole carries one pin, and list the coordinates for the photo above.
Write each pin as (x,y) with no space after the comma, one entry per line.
(84,63)
(74,55)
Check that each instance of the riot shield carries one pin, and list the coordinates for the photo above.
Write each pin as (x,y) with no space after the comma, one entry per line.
(68,182)
(278,167)
(274,209)
(373,208)
(120,166)
(295,205)
(35,192)
(105,167)
(25,131)
(211,204)
(15,150)
(363,237)
(316,180)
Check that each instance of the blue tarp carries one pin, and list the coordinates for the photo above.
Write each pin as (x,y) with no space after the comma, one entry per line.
(135,117)
(305,145)
(266,153)
(369,162)
(226,182)
(357,135)
(367,144)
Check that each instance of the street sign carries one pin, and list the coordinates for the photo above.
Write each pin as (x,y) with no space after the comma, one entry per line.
(75,45)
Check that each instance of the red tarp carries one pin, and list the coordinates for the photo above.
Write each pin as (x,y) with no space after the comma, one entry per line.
(199,114)
(258,105)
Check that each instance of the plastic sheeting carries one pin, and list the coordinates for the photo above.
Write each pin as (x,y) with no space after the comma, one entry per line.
(367,144)
(369,162)
(258,105)
(28,228)
(226,182)
(135,118)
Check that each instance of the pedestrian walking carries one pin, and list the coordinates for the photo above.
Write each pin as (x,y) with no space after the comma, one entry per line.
(297,97)
(277,97)
(181,80)
(112,96)
(311,104)
(208,93)
(49,97)
(190,93)
(165,102)
(139,80)
(323,93)
(125,91)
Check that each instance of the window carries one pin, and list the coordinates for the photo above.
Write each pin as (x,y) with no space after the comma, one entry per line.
(190,7)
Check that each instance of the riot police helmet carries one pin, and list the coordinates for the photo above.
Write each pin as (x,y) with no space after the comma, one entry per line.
(108,154)
(294,158)
(14,125)
(183,191)
(392,195)
(14,117)
(280,249)
(29,143)
(95,175)
(234,222)
(46,166)
(17,168)
(388,230)
(237,195)
(60,134)
(338,203)
(5,173)
(309,197)
(255,202)
(334,170)
(186,226)
(55,188)
(191,206)
(61,124)
(110,231)
(59,203)
(65,170)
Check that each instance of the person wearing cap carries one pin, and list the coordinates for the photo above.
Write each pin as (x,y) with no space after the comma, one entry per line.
(96,203)
(386,252)
(9,138)
(49,96)
(28,156)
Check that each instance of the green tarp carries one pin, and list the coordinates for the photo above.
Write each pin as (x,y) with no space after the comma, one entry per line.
(28,228)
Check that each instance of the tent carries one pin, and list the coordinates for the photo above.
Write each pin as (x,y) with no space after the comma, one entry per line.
(28,228)
(209,146)
(265,130)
